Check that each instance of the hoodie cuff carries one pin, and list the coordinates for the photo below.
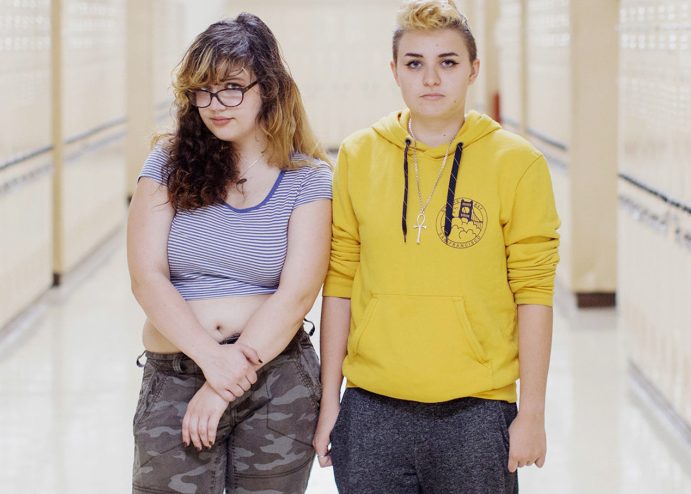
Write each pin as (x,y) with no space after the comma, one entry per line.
(337,287)
(534,299)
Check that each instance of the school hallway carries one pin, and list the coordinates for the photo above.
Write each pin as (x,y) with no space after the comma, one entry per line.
(601,88)
(69,384)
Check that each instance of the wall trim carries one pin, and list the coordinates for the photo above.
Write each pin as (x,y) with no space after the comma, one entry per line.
(660,195)
(548,140)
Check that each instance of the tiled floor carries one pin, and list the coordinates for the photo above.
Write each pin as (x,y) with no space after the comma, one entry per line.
(68,385)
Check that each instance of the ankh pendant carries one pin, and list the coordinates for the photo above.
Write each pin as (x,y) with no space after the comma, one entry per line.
(420,224)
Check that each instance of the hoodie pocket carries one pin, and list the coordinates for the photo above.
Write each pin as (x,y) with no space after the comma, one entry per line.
(465,326)
(361,326)
(419,340)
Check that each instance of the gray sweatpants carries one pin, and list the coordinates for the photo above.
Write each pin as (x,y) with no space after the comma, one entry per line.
(388,446)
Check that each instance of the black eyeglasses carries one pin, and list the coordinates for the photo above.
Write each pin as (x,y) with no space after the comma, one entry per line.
(229,97)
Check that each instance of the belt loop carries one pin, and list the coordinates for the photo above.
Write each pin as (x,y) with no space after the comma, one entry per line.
(176,364)
(139,364)
(311,331)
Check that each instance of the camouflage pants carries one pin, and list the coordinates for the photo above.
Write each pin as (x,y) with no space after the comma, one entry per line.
(263,444)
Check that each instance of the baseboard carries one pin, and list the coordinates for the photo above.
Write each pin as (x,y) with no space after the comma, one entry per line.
(586,300)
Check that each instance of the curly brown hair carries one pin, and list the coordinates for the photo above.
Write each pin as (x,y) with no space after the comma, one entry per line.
(201,166)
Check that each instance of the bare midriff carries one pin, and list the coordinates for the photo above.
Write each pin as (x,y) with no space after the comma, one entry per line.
(221,317)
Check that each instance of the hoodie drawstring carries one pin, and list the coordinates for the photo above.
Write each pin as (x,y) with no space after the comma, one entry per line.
(451,195)
(404,220)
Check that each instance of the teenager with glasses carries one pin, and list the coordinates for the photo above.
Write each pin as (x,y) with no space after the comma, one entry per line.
(439,292)
(228,245)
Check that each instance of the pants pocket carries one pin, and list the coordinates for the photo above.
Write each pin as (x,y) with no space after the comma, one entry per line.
(293,406)
(153,382)
(158,422)
(506,414)
(308,367)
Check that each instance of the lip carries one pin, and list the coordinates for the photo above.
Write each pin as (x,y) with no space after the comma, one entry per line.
(220,120)
(432,96)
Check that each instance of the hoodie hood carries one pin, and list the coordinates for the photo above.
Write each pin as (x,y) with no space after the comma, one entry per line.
(394,128)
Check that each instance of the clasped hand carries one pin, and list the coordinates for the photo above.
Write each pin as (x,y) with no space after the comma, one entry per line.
(229,374)
(231,370)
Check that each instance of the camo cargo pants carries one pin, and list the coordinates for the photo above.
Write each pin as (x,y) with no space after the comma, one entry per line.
(263,444)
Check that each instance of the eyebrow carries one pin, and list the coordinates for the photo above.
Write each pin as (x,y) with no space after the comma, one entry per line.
(441,55)
(231,80)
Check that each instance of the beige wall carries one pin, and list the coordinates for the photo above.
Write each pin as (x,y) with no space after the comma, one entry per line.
(482,16)
(339,54)
(511,69)
(25,183)
(655,194)
(549,70)
(558,69)
(593,145)
(140,88)
(92,122)
(63,172)
(26,240)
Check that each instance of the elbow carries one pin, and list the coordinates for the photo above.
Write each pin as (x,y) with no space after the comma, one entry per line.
(137,288)
(304,303)
(297,304)
(140,284)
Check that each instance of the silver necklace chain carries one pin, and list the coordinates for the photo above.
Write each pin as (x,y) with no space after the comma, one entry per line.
(241,177)
(421,217)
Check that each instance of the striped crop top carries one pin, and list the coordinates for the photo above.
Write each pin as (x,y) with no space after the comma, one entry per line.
(218,250)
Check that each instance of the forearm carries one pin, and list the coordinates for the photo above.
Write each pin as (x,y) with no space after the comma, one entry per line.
(275,323)
(534,347)
(172,316)
(335,326)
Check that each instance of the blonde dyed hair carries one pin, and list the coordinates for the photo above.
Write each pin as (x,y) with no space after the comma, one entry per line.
(429,15)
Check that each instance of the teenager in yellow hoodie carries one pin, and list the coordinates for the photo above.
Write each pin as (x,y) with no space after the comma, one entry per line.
(439,292)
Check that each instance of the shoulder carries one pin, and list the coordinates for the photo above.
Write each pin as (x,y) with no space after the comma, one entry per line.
(159,155)
(304,167)
(509,144)
(156,165)
(309,179)
(359,139)
(514,154)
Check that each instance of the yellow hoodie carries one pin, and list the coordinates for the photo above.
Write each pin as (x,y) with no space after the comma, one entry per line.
(436,321)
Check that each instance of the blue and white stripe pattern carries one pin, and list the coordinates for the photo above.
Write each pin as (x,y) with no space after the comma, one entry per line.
(218,250)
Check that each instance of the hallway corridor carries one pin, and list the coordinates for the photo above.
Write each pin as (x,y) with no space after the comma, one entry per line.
(68,372)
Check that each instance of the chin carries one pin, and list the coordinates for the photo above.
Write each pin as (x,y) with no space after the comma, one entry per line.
(434,111)
(431,112)
(224,135)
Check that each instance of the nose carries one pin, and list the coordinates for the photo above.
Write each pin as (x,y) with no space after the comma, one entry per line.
(216,103)
(431,77)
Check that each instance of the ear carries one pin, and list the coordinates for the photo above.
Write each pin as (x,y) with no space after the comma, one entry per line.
(392,65)
(474,70)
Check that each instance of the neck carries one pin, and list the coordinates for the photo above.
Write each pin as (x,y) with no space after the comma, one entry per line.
(248,152)
(436,131)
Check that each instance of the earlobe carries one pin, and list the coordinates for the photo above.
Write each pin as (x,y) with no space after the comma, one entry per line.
(475,70)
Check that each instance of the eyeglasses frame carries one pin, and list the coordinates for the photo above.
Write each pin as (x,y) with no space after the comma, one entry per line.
(213,95)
